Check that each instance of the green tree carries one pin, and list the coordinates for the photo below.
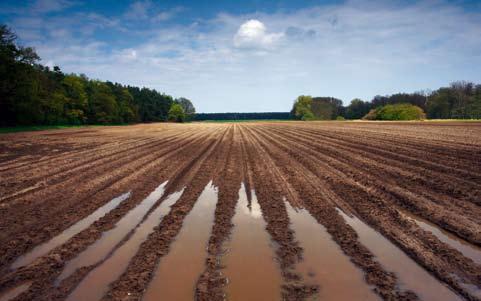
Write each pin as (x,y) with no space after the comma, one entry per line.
(357,109)
(176,113)
(102,104)
(439,104)
(401,111)
(19,101)
(302,108)
(188,107)
(77,101)
(326,108)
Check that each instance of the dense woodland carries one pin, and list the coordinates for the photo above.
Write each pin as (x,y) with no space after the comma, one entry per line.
(31,93)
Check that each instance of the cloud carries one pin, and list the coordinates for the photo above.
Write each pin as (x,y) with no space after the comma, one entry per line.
(138,10)
(262,61)
(167,14)
(142,10)
(47,6)
(253,34)
(299,33)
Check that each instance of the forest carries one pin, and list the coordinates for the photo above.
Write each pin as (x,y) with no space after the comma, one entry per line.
(33,94)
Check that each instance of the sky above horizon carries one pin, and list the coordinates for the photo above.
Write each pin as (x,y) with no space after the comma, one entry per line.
(254,55)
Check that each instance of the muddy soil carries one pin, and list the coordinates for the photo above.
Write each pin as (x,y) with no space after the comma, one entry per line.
(416,186)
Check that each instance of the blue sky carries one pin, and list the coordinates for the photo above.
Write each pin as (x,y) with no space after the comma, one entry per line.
(257,56)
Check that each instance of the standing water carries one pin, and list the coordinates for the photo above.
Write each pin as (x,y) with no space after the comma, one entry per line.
(14,292)
(96,283)
(324,264)
(78,227)
(467,249)
(178,271)
(109,239)
(410,275)
(250,267)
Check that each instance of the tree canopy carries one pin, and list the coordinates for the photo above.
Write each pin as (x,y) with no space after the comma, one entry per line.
(302,108)
(176,113)
(399,111)
(319,108)
(460,100)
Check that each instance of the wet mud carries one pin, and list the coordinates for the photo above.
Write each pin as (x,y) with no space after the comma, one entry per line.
(68,233)
(323,262)
(96,283)
(176,276)
(388,210)
(411,276)
(109,239)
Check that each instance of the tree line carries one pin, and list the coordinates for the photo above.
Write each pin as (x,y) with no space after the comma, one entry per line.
(460,100)
(33,94)
(243,116)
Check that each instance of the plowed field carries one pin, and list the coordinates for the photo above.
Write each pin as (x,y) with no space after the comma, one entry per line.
(242,211)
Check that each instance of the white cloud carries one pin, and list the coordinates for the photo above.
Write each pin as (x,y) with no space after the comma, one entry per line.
(253,34)
(46,6)
(346,50)
(138,10)
(167,14)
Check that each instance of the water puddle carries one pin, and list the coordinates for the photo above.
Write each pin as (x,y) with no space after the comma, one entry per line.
(109,239)
(324,263)
(78,227)
(467,249)
(14,292)
(250,267)
(96,283)
(410,275)
(178,272)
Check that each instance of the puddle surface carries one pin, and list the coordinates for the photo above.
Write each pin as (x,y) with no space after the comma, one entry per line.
(178,271)
(78,227)
(14,292)
(467,249)
(109,239)
(250,267)
(410,275)
(96,283)
(324,264)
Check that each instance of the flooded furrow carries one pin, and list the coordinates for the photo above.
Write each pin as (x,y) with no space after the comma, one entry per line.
(467,249)
(96,283)
(15,292)
(323,262)
(411,276)
(177,272)
(78,227)
(251,270)
(109,239)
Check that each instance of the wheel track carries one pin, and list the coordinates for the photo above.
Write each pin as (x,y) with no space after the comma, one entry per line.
(44,222)
(317,200)
(384,149)
(228,180)
(86,168)
(385,215)
(50,267)
(373,171)
(271,188)
(375,154)
(140,271)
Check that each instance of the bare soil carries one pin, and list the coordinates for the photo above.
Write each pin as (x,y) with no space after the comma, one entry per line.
(384,174)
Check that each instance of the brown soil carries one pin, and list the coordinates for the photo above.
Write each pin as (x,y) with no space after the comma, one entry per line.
(375,171)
